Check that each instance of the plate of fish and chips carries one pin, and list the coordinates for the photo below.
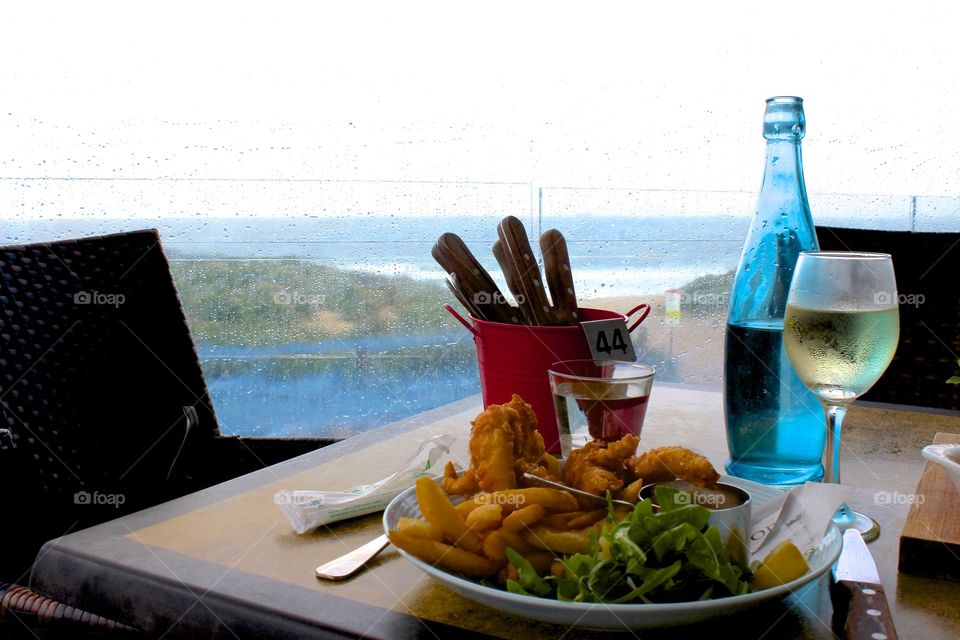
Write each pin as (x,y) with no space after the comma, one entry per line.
(498,539)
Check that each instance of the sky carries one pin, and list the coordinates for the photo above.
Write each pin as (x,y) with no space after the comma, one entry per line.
(551,94)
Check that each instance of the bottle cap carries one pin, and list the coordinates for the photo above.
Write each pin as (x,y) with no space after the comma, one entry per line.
(783,119)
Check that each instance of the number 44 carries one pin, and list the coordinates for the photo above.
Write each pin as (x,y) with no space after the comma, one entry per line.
(609,346)
(609,339)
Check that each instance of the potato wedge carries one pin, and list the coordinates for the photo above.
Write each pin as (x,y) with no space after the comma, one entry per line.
(484,518)
(586,519)
(631,492)
(553,465)
(560,520)
(523,518)
(513,499)
(496,543)
(558,542)
(465,507)
(417,528)
(444,555)
(541,560)
(438,511)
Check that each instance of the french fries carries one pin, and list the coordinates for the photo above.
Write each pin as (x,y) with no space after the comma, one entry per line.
(541,524)
(495,545)
(439,511)
(417,528)
(444,555)
(523,518)
(586,519)
(485,517)
(559,542)
(513,499)
(631,492)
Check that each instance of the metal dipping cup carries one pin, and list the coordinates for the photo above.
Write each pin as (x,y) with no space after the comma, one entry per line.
(729,507)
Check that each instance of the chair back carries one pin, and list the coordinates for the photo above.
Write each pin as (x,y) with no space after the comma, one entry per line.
(928,284)
(97,367)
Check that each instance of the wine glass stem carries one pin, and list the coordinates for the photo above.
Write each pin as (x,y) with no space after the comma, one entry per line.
(831,450)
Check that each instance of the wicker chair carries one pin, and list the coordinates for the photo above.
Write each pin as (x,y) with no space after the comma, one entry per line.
(103,405)
(927,266)
(26,614)
(96,368)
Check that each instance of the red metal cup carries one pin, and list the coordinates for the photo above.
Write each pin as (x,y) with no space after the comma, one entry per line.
(514,359)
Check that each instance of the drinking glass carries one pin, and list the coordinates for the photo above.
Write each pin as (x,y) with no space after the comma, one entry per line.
(598,400)
(840,331)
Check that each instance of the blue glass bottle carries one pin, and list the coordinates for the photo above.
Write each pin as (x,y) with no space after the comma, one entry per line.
(775,431)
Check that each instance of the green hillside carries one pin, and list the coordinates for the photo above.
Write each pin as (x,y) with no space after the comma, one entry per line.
(271,302)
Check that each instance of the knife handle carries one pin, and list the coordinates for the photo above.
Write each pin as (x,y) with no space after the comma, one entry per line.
(472,279)
(510,275)
(862,612)
(517,250)
(556,265)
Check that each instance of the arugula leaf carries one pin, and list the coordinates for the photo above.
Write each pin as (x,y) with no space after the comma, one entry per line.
(701,555)
(605,578)
(572,587)
(670,498)
(675,540)
(712,534)
(653,578)
(625,547)
(668,556)
(529,582)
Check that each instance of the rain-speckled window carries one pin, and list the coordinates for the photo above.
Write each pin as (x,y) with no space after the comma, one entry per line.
(300,161)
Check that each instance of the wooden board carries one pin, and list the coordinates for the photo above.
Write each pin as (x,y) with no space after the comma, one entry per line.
(930,542)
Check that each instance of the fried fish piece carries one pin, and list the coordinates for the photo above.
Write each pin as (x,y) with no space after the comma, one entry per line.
(598,467)
(492,442)
(671,463)
(504,444)
(464,485)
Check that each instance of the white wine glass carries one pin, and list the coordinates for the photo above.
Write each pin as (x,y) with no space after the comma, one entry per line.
(841,330)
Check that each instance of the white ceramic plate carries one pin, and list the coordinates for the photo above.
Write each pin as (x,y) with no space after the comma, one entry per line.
(617,616)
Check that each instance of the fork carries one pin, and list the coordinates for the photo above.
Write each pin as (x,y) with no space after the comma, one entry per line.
(578,492)
(349,563)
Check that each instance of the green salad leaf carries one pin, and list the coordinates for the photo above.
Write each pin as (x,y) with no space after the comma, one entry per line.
(530,583)
(667,556)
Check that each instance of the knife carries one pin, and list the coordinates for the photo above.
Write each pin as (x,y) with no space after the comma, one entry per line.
(473,281)
(556,265)
(519,255)
(860,609)
(513,284)
(471,308)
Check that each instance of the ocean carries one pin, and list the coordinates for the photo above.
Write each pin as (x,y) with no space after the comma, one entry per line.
(340,387)
(610,255)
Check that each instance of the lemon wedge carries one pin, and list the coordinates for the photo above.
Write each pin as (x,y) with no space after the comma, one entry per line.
(783,564)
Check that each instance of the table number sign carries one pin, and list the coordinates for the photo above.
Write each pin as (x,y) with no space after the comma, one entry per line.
(609,339)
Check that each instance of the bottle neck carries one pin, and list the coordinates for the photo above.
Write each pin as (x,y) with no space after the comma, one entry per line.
(783,171)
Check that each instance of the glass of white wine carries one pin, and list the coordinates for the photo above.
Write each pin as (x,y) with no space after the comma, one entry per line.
(840,331)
